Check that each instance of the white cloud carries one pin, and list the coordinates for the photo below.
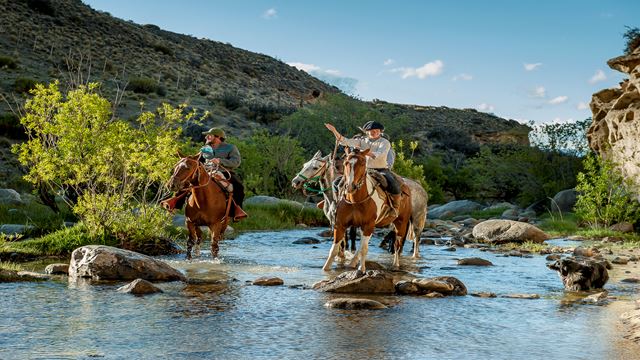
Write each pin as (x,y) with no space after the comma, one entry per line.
(270,14)
(463,76)
(304,67)
(558,100)
(485,107)
(531,67)
(582,106)
(388,62)
(539,92)
(429,69)
(597,77)
(331,76)
(561,121)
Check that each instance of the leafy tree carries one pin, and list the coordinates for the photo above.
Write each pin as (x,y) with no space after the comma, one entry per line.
(632,36)
(111,171)
(406,167)
(567,138)
(269,163)
(603,198)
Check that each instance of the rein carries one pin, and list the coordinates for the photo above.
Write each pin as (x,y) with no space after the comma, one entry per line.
(317,177)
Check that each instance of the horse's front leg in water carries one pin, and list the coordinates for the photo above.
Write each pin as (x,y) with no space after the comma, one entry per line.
(216,235)
(192,237)
(196,250)
(338,238)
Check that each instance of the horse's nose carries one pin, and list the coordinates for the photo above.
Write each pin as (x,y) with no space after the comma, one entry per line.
(295,183)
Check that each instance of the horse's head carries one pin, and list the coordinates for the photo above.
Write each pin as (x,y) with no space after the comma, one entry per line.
(355,169)
(184,172)
(311,170)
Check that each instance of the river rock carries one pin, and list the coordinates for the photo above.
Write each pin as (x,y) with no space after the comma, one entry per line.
(620,260)
(476,261)
(581,274)
(357,282)
(596,299)
(504,231)
(484,294)
(268,281)
(101,262)
(139,287)
(564,201)
(10,197)
(623,227)
(454,208)
(15,276)
(445,285)
(355,304)
(521,296)
(306,241)
(56,269)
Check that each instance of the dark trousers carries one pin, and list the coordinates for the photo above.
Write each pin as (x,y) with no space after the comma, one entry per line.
(238,188)
(393,187)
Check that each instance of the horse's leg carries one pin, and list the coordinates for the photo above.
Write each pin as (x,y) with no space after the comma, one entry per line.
(416,240)
(367,231)
(338,238)
(192,237)
(352,236)
(402,228)
(196,250)
(216,236)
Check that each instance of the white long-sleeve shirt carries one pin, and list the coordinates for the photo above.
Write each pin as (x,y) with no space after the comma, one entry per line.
(380,147)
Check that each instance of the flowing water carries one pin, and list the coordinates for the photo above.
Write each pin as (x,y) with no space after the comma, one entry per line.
(231,319)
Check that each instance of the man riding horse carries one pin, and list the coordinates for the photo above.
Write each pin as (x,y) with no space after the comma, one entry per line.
(377,159)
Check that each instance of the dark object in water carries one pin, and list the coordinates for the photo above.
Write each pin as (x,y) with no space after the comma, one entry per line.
(581,274)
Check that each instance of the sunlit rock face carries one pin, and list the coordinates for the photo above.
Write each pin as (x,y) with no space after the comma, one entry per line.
(615,131)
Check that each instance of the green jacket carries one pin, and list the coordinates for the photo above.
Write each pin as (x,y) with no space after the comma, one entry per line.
(227,153)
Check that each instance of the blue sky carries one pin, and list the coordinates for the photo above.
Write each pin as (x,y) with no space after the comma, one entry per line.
(523,60)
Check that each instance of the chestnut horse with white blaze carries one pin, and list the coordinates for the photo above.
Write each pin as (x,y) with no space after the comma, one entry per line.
(208,204)
(358,208)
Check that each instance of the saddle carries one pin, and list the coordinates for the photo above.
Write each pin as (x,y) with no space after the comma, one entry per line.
(380,183)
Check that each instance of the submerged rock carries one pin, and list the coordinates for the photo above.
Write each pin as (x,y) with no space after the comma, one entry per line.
(15,276)
(355,304)
(445,285)
(268,281)
(475,261)
(581,274)
(139,287)
(357,282)
(100,262)
(54,269)
(306,240)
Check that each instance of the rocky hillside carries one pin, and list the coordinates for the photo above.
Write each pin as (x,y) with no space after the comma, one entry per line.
(615,130)
(43,40)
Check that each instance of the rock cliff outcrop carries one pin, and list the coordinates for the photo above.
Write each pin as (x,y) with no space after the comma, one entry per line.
(615,131)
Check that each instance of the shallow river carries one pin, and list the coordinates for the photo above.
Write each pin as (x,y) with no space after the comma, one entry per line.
(235,320)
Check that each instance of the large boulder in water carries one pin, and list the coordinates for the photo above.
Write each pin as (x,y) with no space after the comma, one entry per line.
(581,274)
(357,282)
(504,231)
(100,262)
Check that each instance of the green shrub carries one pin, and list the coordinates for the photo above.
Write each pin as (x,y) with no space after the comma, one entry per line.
(61,242)
(142,85)
(280,217)
(24,85)
(163,49)
(8,62)
(632,36)
(488,213)
(405,166)
(555,225)
(230,100)
(603,198)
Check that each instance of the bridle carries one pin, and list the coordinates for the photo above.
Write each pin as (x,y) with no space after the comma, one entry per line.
(316,177)
(189,178)
(362,181)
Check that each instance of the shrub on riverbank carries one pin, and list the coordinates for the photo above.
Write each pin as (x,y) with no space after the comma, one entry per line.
(280,217)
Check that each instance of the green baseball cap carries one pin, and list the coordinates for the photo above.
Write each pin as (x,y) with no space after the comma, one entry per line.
(215,131)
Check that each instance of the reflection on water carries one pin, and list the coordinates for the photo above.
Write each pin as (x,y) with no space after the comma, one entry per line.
(220,315)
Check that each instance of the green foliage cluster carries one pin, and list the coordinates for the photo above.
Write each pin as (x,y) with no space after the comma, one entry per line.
(111,171)
(269,162)
(405,165)
(230,100)
(145,85)
(24,85)
(632,36)
(160,47)
(41,217)
(346,114)
(488,213)
(603,198)
(61,242)
(279,217)
(8,62)
(566,138)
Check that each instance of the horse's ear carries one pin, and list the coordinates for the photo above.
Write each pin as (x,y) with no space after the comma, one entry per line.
(318,155)
(365,152)
(347,150)
(180,155)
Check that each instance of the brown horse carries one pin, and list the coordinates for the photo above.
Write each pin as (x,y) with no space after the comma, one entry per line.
(358,208)
(207,206)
